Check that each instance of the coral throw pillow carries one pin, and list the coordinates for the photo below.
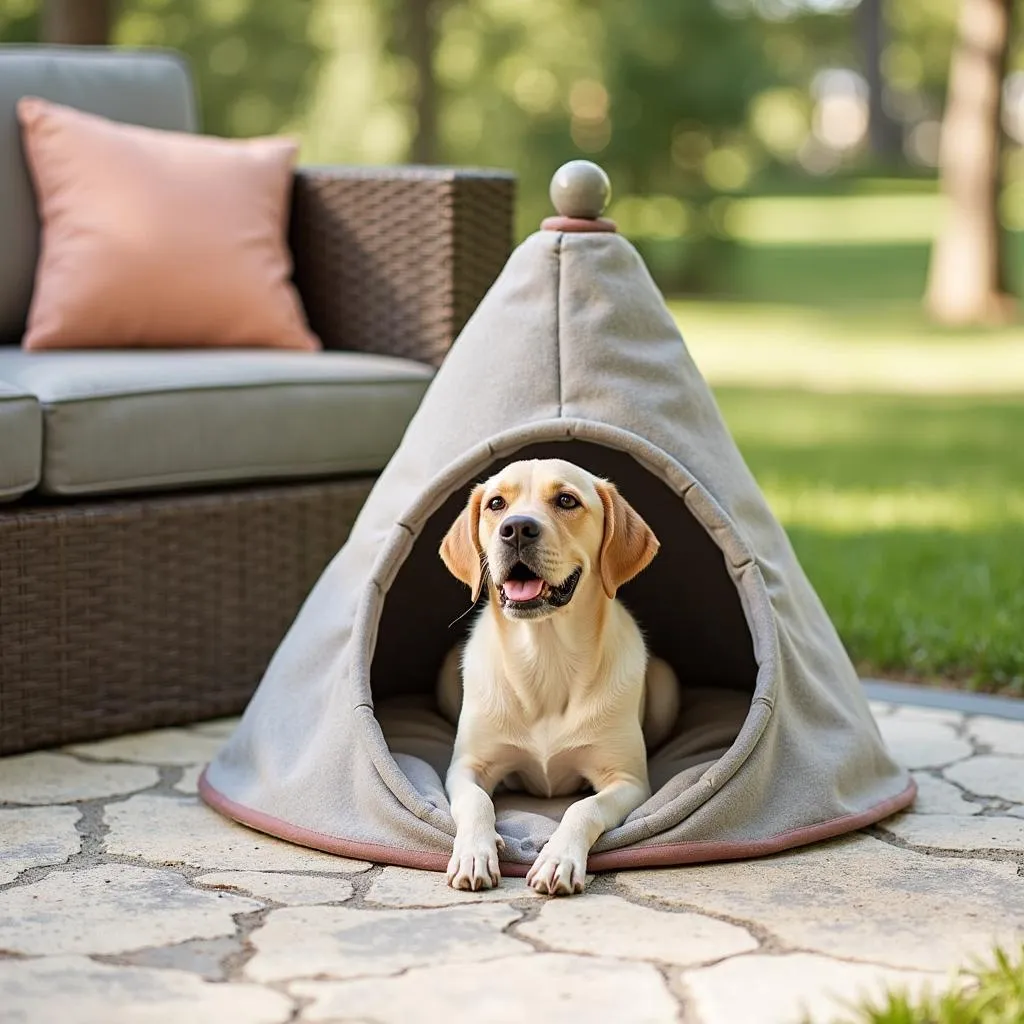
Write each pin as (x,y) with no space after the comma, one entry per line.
(158,239)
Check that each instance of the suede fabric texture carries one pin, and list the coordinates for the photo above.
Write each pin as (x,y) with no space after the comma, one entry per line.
(571,353)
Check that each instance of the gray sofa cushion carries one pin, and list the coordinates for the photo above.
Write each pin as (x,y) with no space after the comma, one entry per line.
(21,441)
(131,421)
(150,88)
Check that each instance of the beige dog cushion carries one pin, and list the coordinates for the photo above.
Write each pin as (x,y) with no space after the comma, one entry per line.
(572,354)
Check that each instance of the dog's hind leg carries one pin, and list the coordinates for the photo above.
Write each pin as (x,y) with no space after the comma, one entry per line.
(449,685)
(661,703)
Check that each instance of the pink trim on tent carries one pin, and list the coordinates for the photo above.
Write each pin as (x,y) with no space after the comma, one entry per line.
(584,225)
(667,855)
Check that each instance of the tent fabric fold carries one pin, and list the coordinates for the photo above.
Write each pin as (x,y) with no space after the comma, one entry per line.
(572,354)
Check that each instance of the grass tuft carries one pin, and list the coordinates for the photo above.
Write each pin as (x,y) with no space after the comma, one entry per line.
(987,994)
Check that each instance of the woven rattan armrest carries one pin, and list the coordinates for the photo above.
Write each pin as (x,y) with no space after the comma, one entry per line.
(394,260)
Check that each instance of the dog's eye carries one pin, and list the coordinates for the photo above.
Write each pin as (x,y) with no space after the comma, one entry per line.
(496,504)
(567,501)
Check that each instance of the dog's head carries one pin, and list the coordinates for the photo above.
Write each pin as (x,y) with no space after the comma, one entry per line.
(543,530)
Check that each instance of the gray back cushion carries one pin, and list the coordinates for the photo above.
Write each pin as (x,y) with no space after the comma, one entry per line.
(148,87)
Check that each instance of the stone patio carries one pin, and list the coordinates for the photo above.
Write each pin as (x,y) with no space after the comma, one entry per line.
(122,898)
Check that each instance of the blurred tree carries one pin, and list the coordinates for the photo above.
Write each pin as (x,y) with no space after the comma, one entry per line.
(967,280)
(506,71)
(255,63)
(361,110)
(916,64)
(84,22)
(686,104)
(886,135)
(19,21)
(658,92)
(680,83)
(420,42)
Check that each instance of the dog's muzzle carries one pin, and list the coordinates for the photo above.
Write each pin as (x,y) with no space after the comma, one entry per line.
(523,590)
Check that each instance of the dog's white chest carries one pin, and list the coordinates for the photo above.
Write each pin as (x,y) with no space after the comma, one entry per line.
(549,764)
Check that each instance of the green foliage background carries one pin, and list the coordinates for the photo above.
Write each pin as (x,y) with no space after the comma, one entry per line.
(255,63)
(701,111)
(684,100)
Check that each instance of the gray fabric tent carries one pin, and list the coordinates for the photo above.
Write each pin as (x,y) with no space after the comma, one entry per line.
(572,354)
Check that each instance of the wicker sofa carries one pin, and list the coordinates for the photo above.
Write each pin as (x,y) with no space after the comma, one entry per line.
(165,513)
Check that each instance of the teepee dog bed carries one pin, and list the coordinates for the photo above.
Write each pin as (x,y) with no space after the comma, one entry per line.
(572,354)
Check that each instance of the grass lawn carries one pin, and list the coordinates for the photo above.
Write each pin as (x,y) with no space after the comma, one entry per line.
(906,509)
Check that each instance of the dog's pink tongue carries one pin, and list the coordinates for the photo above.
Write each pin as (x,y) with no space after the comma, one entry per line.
(523,590)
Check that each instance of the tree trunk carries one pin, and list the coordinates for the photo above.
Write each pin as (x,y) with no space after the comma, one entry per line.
(966,281)
(421,45)
(77,22)
(885,134)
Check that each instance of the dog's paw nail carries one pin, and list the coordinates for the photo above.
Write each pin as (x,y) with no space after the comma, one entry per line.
(557,876)
(473,869)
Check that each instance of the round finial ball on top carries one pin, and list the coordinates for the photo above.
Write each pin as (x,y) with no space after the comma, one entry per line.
(580,189)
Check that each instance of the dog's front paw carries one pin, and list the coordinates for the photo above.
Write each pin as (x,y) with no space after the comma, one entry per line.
(474,864)
(558,871)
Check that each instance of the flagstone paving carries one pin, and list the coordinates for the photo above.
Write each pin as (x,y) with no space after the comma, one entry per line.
(123,898)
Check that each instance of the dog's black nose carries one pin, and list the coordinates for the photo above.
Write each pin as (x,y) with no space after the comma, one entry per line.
(519,530)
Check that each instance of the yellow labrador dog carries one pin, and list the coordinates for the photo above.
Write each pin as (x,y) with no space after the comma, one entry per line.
(556,689)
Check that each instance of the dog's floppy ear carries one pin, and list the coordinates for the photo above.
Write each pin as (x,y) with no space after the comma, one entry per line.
(460,549)
(629,543)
